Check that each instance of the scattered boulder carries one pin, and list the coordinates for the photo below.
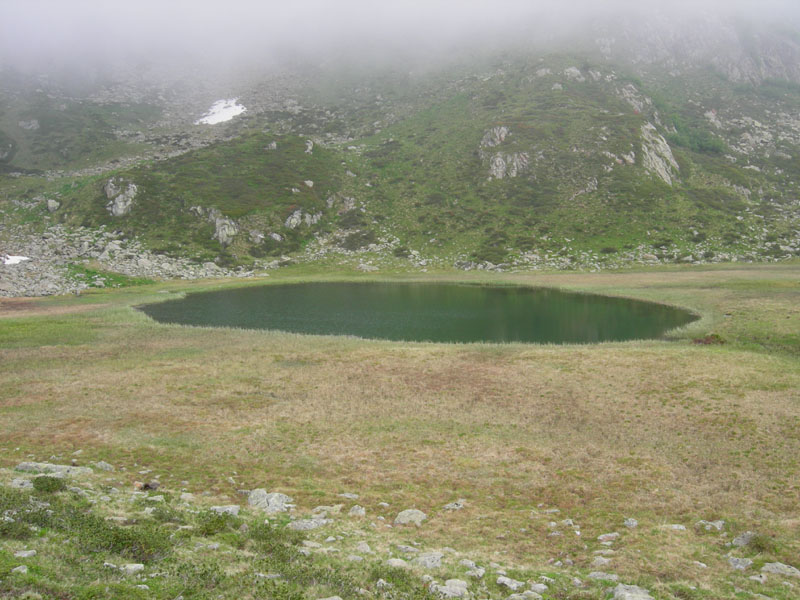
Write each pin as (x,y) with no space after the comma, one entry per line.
(53,205)
(631,592)
(103,466)
(452,588)
(397,563)
(269,502)
(132,568)
(711,525)
(631,523)
(777,568)
(120,195)
(363,547)
(229,509)
(743,539)
(511,584)
(307,524)
(740,564)
(457,505)
(429,560)
(51,469)
(607,537)
(22,569)
(600,576)
(357,511)
(25,554)
(410,516)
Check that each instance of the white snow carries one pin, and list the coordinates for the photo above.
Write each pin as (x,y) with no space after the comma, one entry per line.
(220,111)
(9,259)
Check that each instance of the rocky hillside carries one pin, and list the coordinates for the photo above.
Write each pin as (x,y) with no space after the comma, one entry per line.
(671,142)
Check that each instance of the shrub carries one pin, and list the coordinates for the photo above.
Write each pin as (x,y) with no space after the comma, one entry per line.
(49,485)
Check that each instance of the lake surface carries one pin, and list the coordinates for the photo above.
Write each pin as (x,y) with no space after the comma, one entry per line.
(425,312)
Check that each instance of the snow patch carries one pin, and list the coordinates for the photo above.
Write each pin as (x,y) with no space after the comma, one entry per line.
(220,111)
(9,259)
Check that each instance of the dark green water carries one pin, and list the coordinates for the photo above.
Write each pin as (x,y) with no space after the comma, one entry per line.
(425,312)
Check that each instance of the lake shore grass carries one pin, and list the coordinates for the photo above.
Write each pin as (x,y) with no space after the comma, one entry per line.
(664,431)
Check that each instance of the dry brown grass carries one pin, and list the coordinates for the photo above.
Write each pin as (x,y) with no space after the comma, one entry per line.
(667,432)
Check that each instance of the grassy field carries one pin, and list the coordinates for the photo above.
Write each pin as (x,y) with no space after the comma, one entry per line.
(663,431)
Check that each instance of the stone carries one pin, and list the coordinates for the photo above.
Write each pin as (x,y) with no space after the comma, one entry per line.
(631,592)
(657,155)
(53,205)
(511,584)
(452,588)
(711,525)
(229,509)
(740,564)
(675,527)
(294,219)
(22,569)
(349,496)
(103,466)
(599,561)
(631,523)
(132,568)
(600,575)
(225,229)
(397,563)
(25,554)
(357,511)
(457,505)
(271,503)
(744,538)
(120,201)
(332,598)
(363,547)
(539,588)
(22,484)
(51,469)
(777,568)
(607,537)
(429,560)
(307,524)
(526,595)
(410,516)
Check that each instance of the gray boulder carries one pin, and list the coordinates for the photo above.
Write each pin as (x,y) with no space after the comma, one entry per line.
(269,502)
(452,588)
(120,195)
(777,568)
(229,509)
(430,560)
(51,469)
(410,516)
(307,524)
(631,592)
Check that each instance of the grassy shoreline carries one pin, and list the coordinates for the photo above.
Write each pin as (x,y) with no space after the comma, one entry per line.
(667,432)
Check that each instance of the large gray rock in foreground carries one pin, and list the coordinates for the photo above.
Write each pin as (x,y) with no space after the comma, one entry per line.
(49,468)
(410,516)
(270,502)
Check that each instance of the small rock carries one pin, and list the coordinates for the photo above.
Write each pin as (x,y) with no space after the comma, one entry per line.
(25,554)
(631,592)
(511,584)
(452,588)
(229,509)
(430,560)
(363,547)
(349,496)
(410,516)
(526,595)
(744,538)
(740,564)
(603,576)
(607,537)
(700,565)
(762,578)
(465,562)
(270,503)
(354,558)
(397,563)
(674,527)
(631,523)
(307,524)
(357,511)
(332,598)
(36,467)
(132,568)
(22,569)
(457,505)
(599,561)
(22,484)
(711,525)
(539,588)
(477,572)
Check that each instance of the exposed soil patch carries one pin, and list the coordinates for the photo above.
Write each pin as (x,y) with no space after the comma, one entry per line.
(27,307)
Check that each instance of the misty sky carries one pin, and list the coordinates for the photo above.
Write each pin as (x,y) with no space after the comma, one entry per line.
(47,33)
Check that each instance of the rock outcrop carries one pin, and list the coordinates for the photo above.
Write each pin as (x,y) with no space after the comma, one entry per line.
(120,195)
